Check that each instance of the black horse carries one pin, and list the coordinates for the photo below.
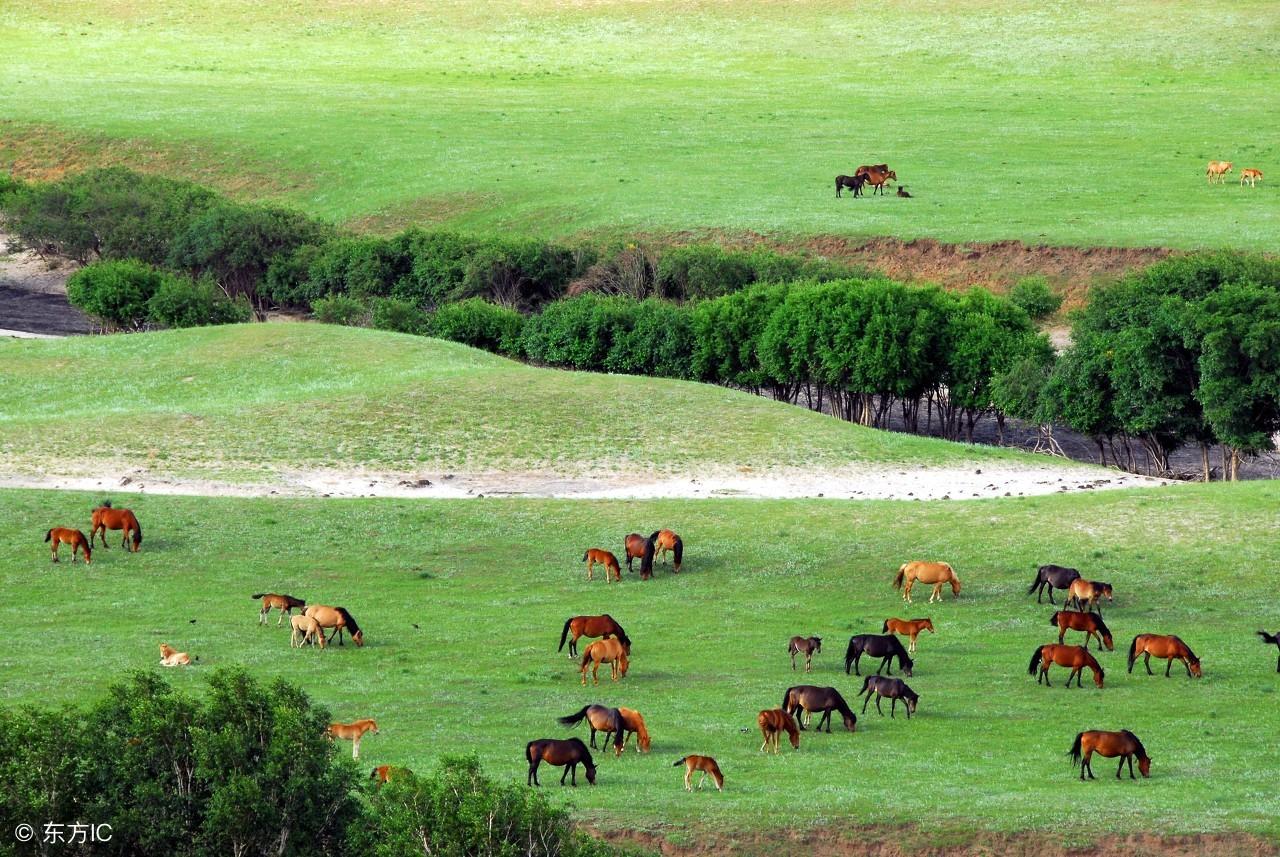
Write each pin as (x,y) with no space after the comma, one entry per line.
(1054,577)
(854,183)
(894,689)
(885,647)
(810,698)
(1274,639)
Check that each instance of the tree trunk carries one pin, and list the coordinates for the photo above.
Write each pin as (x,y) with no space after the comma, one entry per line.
(1204,461)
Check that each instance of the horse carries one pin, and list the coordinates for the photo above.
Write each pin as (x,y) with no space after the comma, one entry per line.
(774,722)
(75,538)
(706,765)
(607,651)
(1273,639)
(338,619)
(878,178)
(1090,623)
(384,773)
(902,192)
(1052,577)
(352,732)
(1111,744)
(608,560)
(106,518)
(633,547)
(936,573)
(894,689)
(1218,170)
(1088,593)
(284,603)
(171,658)
(866,168)
(807,646)
(591,626)
(664,542)
(809,698)
(884,647)
(1251,176)
(305,628)
(854,183)
(553,751)
(600,718)
(633,724)
(1075,657)
(910,627)
(1169,647)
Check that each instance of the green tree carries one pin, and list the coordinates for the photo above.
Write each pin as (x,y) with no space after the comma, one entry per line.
(117,292)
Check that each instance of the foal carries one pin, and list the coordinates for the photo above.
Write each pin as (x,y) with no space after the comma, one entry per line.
(707,765)
(807,646)
(774,722)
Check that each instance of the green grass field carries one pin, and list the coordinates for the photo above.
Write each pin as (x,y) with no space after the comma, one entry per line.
(1063,123)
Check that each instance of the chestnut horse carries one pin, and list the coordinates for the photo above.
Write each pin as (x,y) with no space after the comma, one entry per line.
(600,718)
(936,573)
(1110,744)
(339,620)
(1087,594)
(808,698)
(773,722)
(633,724)
(284,603)
(169,657)
(609,651)
(384,773)
(1075,657)
(1250,175)
(106,518)
(884,647)
(633,547)
(1052,577)
(659,544)
(1090,623)
(1171,648)
(75,538)
(894,689)
(807,646)
(1273,639)
(706,765)
(305,628)
(591,626)
(909,627)
(878,178)
(1217,170)
(608,560)
(352,732)
(553,751)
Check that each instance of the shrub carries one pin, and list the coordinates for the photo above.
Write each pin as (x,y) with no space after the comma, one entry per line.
(9,190)
(630,271)
(398,315)
(364,266)
(1036,297)
(726,333)
(657,340)
(116,292)
(702,271)
(183,302)
(287,281)
(435,265)
(578,332)
(341,309)
(519,273)
(480,324)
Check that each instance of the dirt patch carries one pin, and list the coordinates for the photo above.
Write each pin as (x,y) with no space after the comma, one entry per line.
(425,211)
(33,294)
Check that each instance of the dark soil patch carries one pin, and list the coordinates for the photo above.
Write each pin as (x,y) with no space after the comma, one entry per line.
(40,312)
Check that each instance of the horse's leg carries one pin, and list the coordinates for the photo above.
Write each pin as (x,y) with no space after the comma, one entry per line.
(865,703)
(355,747)
(793,661)
(878,698)
(532,779)
(1130,758)
(1121,768)
(593,736)
(565,774)
(1146,659)
(893,708)
(595,673)
(1044,671)
(1168,665)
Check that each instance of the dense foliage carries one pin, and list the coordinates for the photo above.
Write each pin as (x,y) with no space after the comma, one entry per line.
(128,294)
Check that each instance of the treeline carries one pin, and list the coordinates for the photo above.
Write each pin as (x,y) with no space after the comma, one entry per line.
(245,769)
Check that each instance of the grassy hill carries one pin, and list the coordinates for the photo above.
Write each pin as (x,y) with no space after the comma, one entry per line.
(1062,123)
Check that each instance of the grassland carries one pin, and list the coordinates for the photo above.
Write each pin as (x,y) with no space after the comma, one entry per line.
(1060,123)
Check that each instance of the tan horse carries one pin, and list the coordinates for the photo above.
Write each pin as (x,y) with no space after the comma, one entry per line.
(1251,176)
(706,765)
(284,603)
(339,620)
(352,732)
(305,628)
(106,518)
(773,722)
(908,627)
(607,651)
(666,541)
(171,658)
(1088,594)
(68,536)
(633,724)
(1217,171)
(936,573)
(610,562)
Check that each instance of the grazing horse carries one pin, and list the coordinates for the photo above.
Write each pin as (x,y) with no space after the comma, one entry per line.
(1111,744)
(910,627)
(384,773)
(1052,577)
(1251,176)
(553,751)
(284,603)
(171,658)
(1171,648)
(607,651)
(305,628)
(936,573)
(106,518)
(1090,623)
(600,718)
(633,724)
(1088,593)
(1273,639)
(75,538)
(809,698)
(878,178)
(633,547)
(1217,171)
(773,722)
(854,183)
(707,765)
(664,542)
(807,646)
(352,732)
(608,560)
(885,647)
(591,626)
(1075,657)
(339,620)
(894,689)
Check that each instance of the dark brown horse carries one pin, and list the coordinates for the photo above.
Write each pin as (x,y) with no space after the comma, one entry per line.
(633,546)
(807,646)
(1111,744)
(106,518)
(811,699)
(853,183)
(600,718)
(1090,623)
(1171,648)
(894,689)
(283,603)
(1272,639)
(568,753)
(1074,657)
(884,647)
(1052,577)
(591,626)
(68,536)
(657,545)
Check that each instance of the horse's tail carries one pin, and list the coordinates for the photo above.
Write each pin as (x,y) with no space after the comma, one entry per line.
(1266,638)
(902,573)
(564,635)
(679,761)
(257,596)
(884,629)
(1036,657)
(1053,620)
(1034,583)
(654,535)
(528,752)
(573,719)
(848,655)
(866,686)
(48,536)
(646,561)
(106,504)
(1075,752)
(1133,652)
(584,556)
(786,698)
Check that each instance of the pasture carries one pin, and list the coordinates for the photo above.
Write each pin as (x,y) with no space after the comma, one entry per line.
(1067,124)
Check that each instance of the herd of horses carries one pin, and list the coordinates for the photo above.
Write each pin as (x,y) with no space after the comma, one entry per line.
(875,175)
(1217,171)
(635,546)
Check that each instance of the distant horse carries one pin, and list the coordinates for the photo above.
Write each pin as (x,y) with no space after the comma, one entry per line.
(384,773)
(706,765)
(1273,639)
(633,546)
(1088,593)
(339,620)
(305,628)
(1052,577)
(894,689)
(352,732)
(936,573)
(633,724)
(902,192)
(884,647)
(1074,657)
(607,651)
(1090,623)
(659,544)
(854,183)
(1171,648)
(75,538)
(106,518)
(773,722)
(591,626)
(878,178)
(568,753)
(1251,176)
(284,603)
(1217,171)
(909,627)
(603,557)
(811,699)
(1111,744)
(807,646)
(600,718)
(171,658)
(866,168)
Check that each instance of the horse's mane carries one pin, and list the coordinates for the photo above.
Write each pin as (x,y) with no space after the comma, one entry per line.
(1190,653)
(106,504)
(349,620)
(1142,751)
(1102,626)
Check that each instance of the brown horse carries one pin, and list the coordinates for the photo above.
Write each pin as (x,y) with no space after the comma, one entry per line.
(384,773)
(1272,639)
(1090,623)
(866,168)
(810,699)
(878,178)
(106,518)
(909,627)
(1171,648)
(807,646)
(706,765)
(1217,171)
(1074,657)
(553,751)
(633,724)
(600,718)
(284,603)
(659,544)
(773,722)
(339,620)
(608,560)
(169,657)
(633,547)
(1087,594)
(854,183)
(894,689)
(1110,744)
(1250,175)
(936,573)
(591,626)
(305,628)
(352,732)
(609,651)
(75,538)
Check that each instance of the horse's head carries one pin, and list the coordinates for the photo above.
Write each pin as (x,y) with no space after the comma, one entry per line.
(1194,666)
(373,726)
(623,663)
(1104,589)
(794,735)
(912,702)
(1098,676)
(1144,765)
(358,638)
(817,643)
(928,625)
(906,663)
(591,771)
(1106,640)
(851,722)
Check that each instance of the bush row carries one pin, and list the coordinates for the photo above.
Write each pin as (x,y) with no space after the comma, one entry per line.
(128,294)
